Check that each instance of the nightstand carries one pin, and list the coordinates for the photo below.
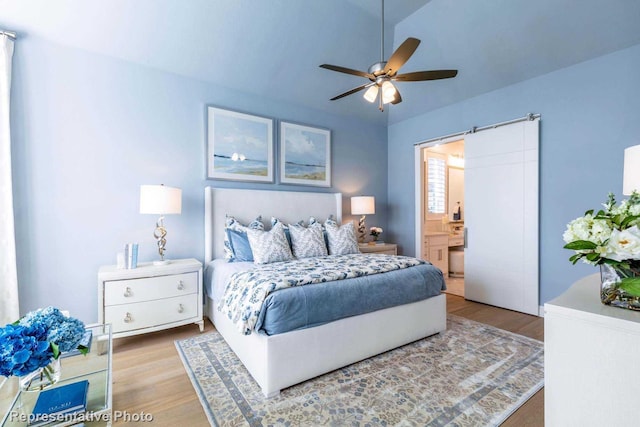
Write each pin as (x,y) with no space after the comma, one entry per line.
(151,297)
(383,248)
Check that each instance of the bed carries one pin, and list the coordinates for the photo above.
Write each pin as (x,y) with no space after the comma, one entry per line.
(280,360)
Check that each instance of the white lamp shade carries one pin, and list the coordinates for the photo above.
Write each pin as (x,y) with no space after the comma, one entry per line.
(388,92)
(363,205)
(631,177)
(371,94)
(160,200)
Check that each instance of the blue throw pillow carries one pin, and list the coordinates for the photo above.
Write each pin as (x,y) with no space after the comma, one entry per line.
(239,246)
(233,224)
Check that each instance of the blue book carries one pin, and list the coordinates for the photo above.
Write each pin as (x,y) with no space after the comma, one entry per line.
(60,402)
(85,342)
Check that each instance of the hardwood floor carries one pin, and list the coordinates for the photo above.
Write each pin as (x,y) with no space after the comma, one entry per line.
(149,377)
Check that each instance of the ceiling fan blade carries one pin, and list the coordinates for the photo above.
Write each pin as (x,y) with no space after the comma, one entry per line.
(350,92)
(401,55)
(397,99)
(426,75)
(347,71)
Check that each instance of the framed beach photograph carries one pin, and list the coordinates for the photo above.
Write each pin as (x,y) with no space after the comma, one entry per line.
(305,155)
(239,146)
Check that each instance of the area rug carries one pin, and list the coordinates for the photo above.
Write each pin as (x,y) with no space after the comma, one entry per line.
(470,375)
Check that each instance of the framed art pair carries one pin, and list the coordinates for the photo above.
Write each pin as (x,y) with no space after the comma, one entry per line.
(241,147)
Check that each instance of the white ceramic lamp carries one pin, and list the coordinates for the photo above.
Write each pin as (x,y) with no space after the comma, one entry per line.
(631,174)
(160,200)
(362,205)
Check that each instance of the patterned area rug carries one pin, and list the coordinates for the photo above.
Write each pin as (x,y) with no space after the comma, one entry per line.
(471,375)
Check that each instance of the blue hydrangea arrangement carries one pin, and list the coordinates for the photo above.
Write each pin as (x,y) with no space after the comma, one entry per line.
(31,342)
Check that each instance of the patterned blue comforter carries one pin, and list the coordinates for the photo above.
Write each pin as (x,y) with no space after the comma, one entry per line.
(247,290)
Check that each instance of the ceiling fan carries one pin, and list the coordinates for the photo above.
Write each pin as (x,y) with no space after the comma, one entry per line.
(382,74)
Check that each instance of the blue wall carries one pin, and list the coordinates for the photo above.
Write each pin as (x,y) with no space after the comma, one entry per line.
(589,115)
(87,130)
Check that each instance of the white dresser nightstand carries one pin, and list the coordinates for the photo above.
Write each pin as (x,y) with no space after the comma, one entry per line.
(151,297)
(590,351)
(382,248)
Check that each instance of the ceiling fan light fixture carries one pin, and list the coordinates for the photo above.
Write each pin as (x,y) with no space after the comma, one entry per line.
(371,94)
(382,73)
(388,92)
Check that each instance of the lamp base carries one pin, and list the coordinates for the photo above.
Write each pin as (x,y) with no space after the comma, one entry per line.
(361,229)
(162,262)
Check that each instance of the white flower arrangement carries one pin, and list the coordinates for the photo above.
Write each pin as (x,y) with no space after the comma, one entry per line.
(612,237)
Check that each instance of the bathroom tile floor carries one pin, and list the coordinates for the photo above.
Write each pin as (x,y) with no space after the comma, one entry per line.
(455,286)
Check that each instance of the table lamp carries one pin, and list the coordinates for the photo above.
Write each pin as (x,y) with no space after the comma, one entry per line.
(362,205)
(160,200)
(631,174)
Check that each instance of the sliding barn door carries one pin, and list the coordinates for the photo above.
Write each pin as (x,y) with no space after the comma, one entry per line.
(501,216)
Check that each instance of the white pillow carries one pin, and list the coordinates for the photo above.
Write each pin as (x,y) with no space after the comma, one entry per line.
(269,246)
(342,240)
(307,242)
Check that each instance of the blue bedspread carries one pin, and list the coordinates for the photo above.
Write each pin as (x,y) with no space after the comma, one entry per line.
(312,305)
(298,307)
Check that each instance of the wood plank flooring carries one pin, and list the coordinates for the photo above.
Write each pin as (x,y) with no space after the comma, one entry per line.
(149,377)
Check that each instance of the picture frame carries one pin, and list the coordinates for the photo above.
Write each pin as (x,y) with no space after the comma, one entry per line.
(305,155)
(240,146)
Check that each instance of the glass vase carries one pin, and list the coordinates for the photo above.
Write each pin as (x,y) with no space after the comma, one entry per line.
(41,378)
(610,292)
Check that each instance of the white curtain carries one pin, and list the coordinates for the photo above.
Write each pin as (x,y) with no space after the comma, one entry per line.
(9,308)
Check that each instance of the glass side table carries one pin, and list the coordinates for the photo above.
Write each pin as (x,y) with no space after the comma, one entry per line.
(16,405)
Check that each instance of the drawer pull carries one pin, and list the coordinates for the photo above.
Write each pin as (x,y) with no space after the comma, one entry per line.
(180,285)
(180,308)
(127,318)
(127,292)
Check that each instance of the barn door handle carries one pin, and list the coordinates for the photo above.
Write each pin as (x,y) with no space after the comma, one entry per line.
(465,237)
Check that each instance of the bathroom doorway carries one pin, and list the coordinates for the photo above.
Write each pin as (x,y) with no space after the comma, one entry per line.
(443,217)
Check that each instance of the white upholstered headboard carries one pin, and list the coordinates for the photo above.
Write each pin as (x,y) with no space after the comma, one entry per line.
(246,205)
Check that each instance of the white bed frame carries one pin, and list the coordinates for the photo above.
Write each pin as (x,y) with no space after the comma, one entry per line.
(282,360)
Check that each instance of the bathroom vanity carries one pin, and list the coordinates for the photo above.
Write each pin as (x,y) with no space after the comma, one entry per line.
(436,250)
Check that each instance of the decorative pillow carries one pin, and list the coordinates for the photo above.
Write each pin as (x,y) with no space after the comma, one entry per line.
(330,220)
(239,242)
(233,224)
(342,240)
(275,221)
(269,246)
(307,242)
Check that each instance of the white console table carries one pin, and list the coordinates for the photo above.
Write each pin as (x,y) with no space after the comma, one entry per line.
(590,362)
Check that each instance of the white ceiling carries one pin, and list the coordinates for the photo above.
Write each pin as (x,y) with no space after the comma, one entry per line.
(273,48)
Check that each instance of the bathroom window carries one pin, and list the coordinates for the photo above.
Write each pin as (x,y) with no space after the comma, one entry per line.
(436,185)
